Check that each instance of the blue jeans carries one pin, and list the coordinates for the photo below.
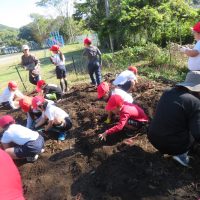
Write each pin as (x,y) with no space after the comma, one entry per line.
(94,68)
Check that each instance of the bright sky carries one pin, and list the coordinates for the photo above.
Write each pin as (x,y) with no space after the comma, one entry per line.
(15,13)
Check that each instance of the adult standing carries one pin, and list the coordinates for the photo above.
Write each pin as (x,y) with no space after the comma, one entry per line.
(193,54)
(32,64)
(10,184)
(176,124)
(94,57)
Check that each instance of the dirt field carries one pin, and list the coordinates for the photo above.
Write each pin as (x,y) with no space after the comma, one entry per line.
(84,168)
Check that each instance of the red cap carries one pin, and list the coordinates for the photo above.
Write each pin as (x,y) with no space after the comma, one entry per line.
(133,69)
(102,89)
(114,101)
(87,41)
(25,103)
(37,101)
(54,48)
(40,83)
(196,27)
(6,120)
(12,85)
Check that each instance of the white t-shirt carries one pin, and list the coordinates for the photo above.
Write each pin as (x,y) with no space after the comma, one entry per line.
(53,112)
(123,77)
(57,61)
(8,95)
(125,96)
(19,135)
(194,62)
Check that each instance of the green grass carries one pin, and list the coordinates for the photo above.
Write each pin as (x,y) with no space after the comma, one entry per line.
(8,71)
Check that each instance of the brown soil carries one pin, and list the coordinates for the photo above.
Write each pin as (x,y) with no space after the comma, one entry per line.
(84,168)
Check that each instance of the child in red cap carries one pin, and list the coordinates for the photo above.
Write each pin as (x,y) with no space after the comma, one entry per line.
(194,53)
(10,184)
(33,115)
(49,91)
(20,142)
(126,80)
(58,59)
(94,61)
(58,120)
(131,116)
(105,92)
(11,96)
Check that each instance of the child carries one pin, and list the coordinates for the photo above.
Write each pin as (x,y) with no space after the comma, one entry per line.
(11,96)
(32,115)
(57,118)
(126,79)
(32,64)
(49,91)
(10,184)
(20,142)
(94,57)
(58,59)
(131,116)
(104,92)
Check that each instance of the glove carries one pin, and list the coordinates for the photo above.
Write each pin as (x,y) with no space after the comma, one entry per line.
(183,49)
(107,121)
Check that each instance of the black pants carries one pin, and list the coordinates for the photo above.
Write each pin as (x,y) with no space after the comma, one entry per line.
(60,128)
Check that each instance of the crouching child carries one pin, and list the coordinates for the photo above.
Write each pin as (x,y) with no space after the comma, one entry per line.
(105,91)
(58,120)
(20,142)
(33,115)
(11,96)
(49,91)
(131,116)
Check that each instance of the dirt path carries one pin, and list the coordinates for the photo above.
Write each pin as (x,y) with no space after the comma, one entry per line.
(83,168)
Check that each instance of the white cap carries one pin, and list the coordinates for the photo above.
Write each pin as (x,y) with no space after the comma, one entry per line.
(25,47)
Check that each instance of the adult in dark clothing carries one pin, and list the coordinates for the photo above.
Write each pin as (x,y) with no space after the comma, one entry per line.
(94,57)
(176,124)
(49,91)
(32,64)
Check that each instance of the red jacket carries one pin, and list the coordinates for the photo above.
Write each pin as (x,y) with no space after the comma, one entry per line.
(10,184)
(128,111)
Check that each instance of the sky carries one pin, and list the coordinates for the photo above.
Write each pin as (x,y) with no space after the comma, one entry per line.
(16,13)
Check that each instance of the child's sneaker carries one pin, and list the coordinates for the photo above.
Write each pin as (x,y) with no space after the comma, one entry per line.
(32,159)
(183,159)
(62,136)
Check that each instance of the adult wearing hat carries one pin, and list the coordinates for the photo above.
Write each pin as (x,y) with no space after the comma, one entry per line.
(176,124)
(94,61)
(32,64)
(193,54)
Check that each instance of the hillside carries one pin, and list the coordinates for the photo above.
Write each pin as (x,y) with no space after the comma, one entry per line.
(7,28)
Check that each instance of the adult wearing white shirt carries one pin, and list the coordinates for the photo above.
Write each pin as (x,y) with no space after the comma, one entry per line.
(194,54)
(58,120)
(11,96)
(126,79)
(18,141)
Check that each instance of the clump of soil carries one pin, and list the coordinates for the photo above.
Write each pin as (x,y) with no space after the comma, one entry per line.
(85,168)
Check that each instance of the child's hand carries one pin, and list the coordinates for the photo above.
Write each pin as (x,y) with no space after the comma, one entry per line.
(103,136)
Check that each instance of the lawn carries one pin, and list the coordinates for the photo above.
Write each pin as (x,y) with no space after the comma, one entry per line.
(9,72)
